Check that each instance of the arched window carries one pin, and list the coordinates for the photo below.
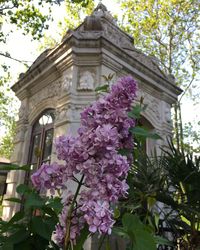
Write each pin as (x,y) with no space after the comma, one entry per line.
(148,144)
(42,139)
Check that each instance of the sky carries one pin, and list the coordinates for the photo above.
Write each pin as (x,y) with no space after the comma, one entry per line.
(24,48)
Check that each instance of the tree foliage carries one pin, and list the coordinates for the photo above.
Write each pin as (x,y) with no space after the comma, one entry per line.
(8,112)
(76,11)
(26,15)
(168,31)
(29,17)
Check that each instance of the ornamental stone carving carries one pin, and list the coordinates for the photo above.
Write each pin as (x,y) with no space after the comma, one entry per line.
(146,60)
(76,110)
(69,113)
(117,36)
(20,132)
(51,90)
(23,112)
(62,114)
(66,81)
(167,113)
(86,80)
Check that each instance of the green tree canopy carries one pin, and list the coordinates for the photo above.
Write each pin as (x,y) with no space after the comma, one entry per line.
(168,31)
(29,17)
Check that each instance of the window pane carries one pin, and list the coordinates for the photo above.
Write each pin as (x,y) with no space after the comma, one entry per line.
(48,140)
(35,152)
(46,118)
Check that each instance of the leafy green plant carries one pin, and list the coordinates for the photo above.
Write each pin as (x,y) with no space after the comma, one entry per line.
(146,180)
(183,196)
(32,227)
(138,234)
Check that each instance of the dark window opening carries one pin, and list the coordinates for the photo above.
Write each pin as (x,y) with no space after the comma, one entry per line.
(41,141)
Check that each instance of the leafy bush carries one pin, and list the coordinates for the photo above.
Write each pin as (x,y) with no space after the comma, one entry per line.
(31,228)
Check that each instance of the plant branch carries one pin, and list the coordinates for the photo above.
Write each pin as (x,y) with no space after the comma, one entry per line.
(69,215)
(2,8)
(189,85)
(15,59)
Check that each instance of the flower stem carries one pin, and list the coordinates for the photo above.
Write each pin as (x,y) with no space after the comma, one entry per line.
(69,215)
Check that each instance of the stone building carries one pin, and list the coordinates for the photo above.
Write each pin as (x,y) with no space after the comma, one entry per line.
(62,81)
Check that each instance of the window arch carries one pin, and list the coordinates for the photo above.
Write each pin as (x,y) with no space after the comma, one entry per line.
(42,139)
(147,144)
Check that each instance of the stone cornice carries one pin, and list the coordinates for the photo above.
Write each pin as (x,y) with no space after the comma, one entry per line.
(69,51)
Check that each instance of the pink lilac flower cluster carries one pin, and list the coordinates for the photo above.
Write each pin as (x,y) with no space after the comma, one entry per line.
(48,177)
(77,222)
(94,154)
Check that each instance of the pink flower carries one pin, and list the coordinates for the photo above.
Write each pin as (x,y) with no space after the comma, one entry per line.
(94,153)
(48,177)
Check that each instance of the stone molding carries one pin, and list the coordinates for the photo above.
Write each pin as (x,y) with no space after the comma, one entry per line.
(53,90)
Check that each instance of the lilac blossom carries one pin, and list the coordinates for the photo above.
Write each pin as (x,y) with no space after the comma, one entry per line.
(98,216)
(77,222)
(48,177)
(94,154)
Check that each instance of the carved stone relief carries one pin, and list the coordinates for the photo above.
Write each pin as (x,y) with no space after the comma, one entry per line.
(50,91)
(22,122)
(66,81)
(146,60)
(86,79)
(23,112)
(20,132)
(76,110)
(69,113)
(167,113)
(117,37)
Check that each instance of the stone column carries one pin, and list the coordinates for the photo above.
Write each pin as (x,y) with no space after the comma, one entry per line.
(19,157)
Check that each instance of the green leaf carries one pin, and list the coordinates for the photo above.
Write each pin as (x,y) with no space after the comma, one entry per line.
(108,247)
(144,240)
(13,199)
(121,232)
(103,88)
(14,167)
(23,189)
(136,111)
(162,241)
(49,211)
(33,200)
(116,213)
(55,204)
(7,246)
(151,201)
(18,216)
(18,237)
(138,233)
(124,151)
(156,219)
(139,131)
(131,222)
(43,227)
(81,239)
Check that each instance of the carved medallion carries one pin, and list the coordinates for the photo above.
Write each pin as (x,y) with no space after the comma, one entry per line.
(86,80)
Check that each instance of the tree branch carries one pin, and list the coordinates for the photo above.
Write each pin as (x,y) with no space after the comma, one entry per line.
(189,85)
(6,7)
(15,59)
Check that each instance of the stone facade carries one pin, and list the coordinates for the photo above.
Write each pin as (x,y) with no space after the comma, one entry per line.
(64,78)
